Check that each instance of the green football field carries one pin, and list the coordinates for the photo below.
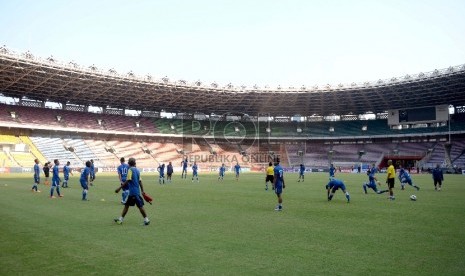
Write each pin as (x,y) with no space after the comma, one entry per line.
(231,228)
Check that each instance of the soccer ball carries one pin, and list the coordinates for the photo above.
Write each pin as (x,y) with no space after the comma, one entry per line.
(413,197)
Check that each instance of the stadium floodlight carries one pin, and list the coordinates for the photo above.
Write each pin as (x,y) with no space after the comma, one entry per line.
(268,130)
(451,112)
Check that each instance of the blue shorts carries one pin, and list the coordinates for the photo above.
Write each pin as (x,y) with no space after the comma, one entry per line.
(302,173)
(222,174)
(278,189)
(55,182)
(372,184)
(162,176)
(184,169)
(336,187)
(84,185)
(135,200)
(66,177)
(36,179)
(407,180)
(194,174)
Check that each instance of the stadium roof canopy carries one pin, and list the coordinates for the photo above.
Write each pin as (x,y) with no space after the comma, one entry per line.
(23,75)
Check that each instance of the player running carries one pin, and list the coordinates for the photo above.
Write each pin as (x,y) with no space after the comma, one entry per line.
(405,177)
(334,185)
(122,174)
(372,181)
(301,173)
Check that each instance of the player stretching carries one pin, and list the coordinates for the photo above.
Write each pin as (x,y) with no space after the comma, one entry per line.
(36,176)
(405,177)
(335,184)
(194,172)
(278,184)
(122,174)
(184,168)
(269,175)
(237,169)
(161,170)
(84,180)
(332,172)
(438,177)
(222,170)
(301,173)
(55,179)
(134,182)
(66,172)
(169,172)
(372,181)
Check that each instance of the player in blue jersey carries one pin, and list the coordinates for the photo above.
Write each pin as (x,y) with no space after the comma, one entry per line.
(278,184)
(66,172)
(332,172)
(404,178)
(84,180)
(161,174)
(169,172)
(221,173)
(184,164)
(372,181)
(438,177)
(334,185)
(55,179)
(195,173)
(122,174)
(134,183)
(301,173)
(36,176)
(92,172)
(237,170)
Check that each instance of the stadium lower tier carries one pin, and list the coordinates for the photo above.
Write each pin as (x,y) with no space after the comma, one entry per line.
(20,151)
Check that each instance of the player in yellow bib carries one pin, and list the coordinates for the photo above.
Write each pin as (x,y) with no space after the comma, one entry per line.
(269,175)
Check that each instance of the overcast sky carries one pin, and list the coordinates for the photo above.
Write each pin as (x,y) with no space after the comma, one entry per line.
(249,42)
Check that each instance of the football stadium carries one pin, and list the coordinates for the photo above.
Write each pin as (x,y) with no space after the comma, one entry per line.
(217,214)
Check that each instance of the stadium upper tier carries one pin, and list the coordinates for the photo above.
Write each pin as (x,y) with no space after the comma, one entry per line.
(47,80)
(46,119)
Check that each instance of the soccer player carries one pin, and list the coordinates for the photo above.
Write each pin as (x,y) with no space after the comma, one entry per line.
(269,175)
(84,180)
(122,174)
(372,181)
(55,179)
(169,172)
(66,172)
(36,176)
(237,169)
(301,173)
(405,177)
(222,170)
(334,185)
(332,172)
(278,184)
(92,172)
(194,172)
(46,170)
(161,171)
(438,177)
(184,168)
(134,182)
(391,178)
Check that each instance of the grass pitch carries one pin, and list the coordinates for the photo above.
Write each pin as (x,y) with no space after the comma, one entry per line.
(231,228)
